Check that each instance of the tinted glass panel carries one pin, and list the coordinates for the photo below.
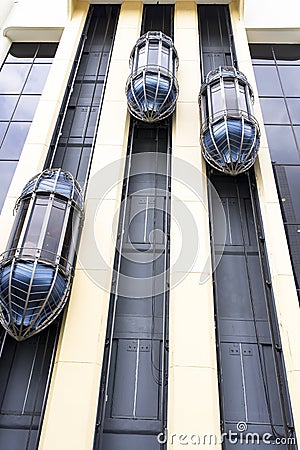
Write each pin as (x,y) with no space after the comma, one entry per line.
(22,52)
(284,140)
(19,76)
(53,231)
(293,105)
(7,106)
(36,79)
(290,77)
(274,110)
(282,144)
(287,54)
(267,80)
(26,107)
(7,169)
(3,128)
(230,95)
(297,134)
(13,77)
(46,52)
(261,54)
(14,140)
(217,100)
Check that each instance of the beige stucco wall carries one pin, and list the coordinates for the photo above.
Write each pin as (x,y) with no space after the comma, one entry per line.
(272,20)
(283,284)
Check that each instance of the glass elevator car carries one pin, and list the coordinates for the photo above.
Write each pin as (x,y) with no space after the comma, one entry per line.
(230,133)
(36,268)
(152,88)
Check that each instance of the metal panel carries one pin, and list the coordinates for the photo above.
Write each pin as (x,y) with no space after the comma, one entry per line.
(252,382)
(72,148)
(135,383)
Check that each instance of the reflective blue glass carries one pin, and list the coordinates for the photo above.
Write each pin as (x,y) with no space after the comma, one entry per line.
(230,134)
(36,268)
(152,88)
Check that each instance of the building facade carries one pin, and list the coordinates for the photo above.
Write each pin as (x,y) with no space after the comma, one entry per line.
(179,323)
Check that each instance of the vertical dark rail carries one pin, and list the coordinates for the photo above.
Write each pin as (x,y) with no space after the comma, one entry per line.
(137,332)
(136,350)
(252,381)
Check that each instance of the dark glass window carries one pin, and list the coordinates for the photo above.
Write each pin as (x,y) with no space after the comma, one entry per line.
(289,77)
(274,111)
(217,100)
(13,78)
(293,105)
(33,233)
(7,170)
(282,143)
(277,71)
(16,232)
(54,230)
(267,81)
(287,54)
(22,79)
(13,141)
(230,95)
(153,53)
(7,106)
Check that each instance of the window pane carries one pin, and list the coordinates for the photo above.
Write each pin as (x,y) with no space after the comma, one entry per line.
(274,110)
(12,78)
(3,128)
(22,52)
(294,109)
(153,53)
(7,106)
(16,231)
(267,81)
(288,178)
(290,77)
(26,107)
(287,54)
(297,133)
(217,100)
(282,144)
(230,94)
(37,78)
(53,231)
(14,140)
(33,232)
(7,170)
(165,57)
(261,54)
(46,51)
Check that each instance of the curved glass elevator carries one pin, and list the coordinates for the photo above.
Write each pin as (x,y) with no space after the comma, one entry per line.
(26,367)
(252,383)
